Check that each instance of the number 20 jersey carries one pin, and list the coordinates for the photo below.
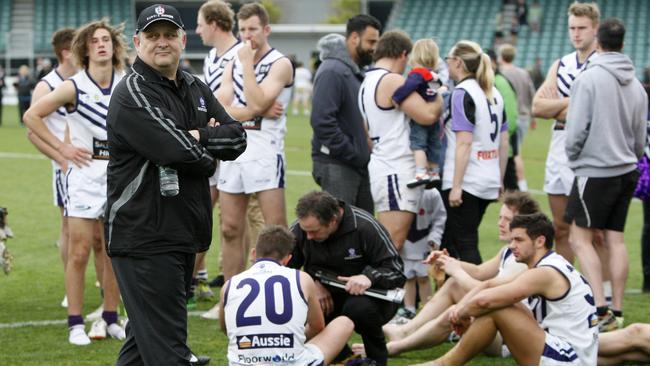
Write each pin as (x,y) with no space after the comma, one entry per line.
(265,314)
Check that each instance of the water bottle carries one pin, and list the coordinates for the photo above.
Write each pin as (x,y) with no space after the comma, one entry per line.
(168,181)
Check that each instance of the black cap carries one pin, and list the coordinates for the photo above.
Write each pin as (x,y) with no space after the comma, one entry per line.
(158,12)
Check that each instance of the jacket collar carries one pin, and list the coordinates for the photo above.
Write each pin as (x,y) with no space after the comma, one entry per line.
(150,74)
(348,221)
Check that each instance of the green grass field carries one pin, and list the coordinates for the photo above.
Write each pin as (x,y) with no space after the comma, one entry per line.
(33,291)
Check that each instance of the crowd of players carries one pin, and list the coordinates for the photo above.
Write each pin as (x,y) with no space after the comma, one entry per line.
(377,148)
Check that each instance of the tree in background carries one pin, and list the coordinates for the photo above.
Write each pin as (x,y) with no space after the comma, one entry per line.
(344,10)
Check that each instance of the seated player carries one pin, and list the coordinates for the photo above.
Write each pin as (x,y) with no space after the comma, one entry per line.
(631,344)
(270,313)
(563,326)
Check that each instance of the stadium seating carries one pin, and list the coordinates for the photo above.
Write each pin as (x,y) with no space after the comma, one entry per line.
(451,21)
(52,15)
(5,22)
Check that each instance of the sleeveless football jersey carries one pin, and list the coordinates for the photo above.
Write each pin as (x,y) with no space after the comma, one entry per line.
(87,121)
(265,314)
(265,135)
(388,129)
(508,265)
(214,65)
(482,177)
(57,121)
(568,70)
(571,316)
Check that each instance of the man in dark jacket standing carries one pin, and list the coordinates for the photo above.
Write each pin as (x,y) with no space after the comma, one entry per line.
(340,146)
(161,129)
(339,238)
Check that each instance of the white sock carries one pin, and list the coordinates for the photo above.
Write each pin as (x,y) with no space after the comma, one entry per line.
(410,308)
(607,291)
(202,274)
(523,185)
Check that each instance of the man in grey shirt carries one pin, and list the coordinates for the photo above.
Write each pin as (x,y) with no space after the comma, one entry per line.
(340,146)
(605,138)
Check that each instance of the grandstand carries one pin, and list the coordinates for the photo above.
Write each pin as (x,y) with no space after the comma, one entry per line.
(450,21)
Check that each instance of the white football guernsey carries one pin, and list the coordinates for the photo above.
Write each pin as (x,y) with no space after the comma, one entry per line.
(483,175)
(56,122)
(265,314)
(572,316)
(508,265)
(214,65)
(265,135)
(87,121)
(388,129)
(428,225)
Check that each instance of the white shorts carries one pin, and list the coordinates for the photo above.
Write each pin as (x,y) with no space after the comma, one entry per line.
(389,192)
(558,177)
(312,355)
(558,352)
(86,197)
(59,193)
(415,268)
(251,176)
(214,179)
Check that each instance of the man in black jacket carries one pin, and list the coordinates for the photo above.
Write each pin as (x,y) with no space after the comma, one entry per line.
(340,147)
(336,237)
(160,116)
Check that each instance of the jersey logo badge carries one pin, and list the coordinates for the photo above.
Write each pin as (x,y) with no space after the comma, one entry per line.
(352,254)
(202,106)
(271,340)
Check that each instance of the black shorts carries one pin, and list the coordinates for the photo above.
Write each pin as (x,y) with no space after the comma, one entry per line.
(601,203)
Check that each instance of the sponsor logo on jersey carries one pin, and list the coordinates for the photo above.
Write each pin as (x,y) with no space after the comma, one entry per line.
(287,357)
(487,154)
(202,106)
(352,254)
(271,340)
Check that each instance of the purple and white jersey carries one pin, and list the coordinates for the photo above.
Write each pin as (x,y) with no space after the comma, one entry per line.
(265,314)
(87,121)
(214,65)
(486,122)
(57,121)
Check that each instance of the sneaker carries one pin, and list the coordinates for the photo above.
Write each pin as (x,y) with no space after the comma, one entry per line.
(64,302)
(97,314)
(203,291)
(434,182)
(607,322)
(420,179)
(78,336)
(199,360)
(116,331)
(212,314)
(98,330)
(218,281)
(191,303)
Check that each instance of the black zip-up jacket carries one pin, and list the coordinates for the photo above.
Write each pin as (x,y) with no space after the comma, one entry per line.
(148,120)
(360,245)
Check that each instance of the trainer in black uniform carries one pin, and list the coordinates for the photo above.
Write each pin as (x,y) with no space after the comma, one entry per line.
(161,116)
(334,236)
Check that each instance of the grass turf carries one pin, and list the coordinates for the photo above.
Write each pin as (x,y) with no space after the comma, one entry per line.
(33,291)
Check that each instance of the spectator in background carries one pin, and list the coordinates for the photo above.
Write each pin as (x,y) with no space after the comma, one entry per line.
(477,149)
(24,86)
(535,16)
(536,74)
(302,90)
(523,85)
(608,110)
(186,66)
(642,192)
(44,69)
(509,95)
(522,12)
(340,149)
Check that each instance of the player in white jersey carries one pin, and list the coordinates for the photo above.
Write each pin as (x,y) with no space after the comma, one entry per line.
(477,148)
(56,122)
(552,102)
(562,328)
(252,83)
(271,314)
(215,21)
(392,164)
(431,326)
(100,49)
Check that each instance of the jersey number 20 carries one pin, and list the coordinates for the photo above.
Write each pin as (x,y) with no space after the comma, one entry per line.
(242,320)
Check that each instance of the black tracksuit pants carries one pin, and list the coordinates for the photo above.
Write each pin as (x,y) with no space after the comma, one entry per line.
(154,289)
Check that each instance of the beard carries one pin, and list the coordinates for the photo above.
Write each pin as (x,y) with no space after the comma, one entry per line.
(365,56)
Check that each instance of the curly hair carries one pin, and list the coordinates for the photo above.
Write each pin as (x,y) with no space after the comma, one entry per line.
(218,12)
(85,34)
